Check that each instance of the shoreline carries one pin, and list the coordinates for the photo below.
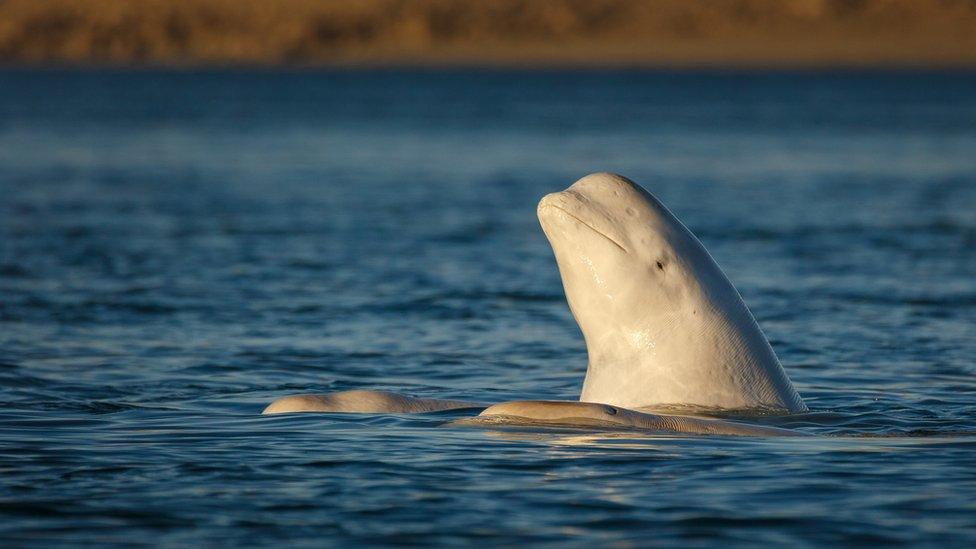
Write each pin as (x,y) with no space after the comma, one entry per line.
(561,34)
(499,68)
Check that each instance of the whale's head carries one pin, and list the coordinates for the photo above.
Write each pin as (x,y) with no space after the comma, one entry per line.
(626,262)
(662,322)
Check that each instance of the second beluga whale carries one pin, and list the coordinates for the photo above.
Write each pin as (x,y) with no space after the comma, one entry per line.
(664,327)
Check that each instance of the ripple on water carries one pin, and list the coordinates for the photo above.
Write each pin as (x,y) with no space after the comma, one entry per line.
(165,273)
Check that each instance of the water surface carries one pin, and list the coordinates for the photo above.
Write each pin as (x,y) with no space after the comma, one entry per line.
(177,249)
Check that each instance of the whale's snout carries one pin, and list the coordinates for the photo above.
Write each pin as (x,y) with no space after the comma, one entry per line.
(564,213)
(556,209)
(548,202)
(594,200)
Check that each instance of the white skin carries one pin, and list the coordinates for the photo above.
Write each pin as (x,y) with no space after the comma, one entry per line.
(663,325)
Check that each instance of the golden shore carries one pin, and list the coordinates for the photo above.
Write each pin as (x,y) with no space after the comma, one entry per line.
(490,32)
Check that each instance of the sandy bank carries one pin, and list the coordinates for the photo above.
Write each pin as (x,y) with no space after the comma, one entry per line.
(491,32)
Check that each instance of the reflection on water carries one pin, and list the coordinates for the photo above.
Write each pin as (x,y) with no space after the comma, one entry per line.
(178,249)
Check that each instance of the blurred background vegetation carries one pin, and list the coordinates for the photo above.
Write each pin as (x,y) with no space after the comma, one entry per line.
(489,32)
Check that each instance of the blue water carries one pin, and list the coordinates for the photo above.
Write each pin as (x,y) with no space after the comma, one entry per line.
(177,249)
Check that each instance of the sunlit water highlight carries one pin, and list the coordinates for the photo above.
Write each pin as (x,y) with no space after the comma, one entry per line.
(178,249)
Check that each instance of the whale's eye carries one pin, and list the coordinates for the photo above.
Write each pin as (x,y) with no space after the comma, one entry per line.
(611,410)
(660,265)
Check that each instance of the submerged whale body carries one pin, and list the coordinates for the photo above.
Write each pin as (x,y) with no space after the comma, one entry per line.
(664,327)
(364,402)
(568,413)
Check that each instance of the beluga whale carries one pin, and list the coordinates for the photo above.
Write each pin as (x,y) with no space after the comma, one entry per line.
(667,335)
(663,324)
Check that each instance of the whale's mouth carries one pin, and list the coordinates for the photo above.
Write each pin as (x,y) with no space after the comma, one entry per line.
(589,226)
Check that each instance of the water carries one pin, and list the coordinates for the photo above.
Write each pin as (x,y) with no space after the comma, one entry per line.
(177,249)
